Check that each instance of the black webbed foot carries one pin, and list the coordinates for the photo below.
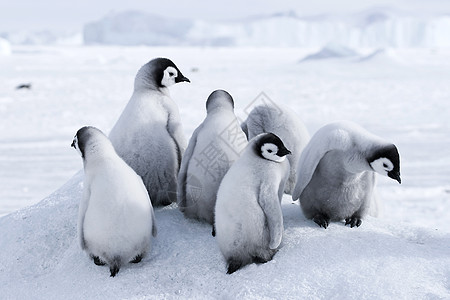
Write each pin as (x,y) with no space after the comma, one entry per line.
(260,260)
(233,265)
(114,269)
(137,259)
(322,220)
(98,261)
(353,221)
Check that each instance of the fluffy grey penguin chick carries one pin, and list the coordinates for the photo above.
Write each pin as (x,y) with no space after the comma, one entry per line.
(336,173)
(212,149)
(248,217)
(148,134)
(283,122)
(115,220)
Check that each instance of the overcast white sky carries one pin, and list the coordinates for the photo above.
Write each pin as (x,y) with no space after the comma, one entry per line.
(65,15)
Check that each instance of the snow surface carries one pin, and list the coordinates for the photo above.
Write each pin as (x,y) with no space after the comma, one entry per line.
(375,27)
(332,51)
(5,47)
(403,254)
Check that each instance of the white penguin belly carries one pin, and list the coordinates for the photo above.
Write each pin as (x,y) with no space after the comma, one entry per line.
(116,224)
(240,228)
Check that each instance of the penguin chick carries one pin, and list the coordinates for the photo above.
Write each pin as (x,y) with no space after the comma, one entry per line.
(336,173)
(248,217)
(148,134)
(283,122)
(212,149)
(115,220)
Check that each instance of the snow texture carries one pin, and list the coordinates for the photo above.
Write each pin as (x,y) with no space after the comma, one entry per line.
(5,47)
(403,254)
(40,258)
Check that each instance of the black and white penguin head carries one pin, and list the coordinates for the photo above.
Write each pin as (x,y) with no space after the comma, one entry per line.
(219,98)
(158,73)
(270,147)
(386,161)
(84,139)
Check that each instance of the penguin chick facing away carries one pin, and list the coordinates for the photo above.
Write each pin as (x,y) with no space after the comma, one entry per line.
(115,220)
(283,122)
(336,173)
(212,149)
(149,135)
(248,217)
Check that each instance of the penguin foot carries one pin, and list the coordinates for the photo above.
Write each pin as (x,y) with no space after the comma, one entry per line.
(353,221)
(260,260)
(114,269)
(213,232)
(322,220)
(264,256)
(137,259)
(233,265)
(98,261)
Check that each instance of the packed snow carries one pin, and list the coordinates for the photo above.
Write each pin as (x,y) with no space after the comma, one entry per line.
(332,51)
(5,47)
(403,254)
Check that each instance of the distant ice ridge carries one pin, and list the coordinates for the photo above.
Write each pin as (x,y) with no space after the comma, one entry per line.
(43,37)
(375,28)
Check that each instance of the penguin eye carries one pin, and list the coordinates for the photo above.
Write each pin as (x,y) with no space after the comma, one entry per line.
(171,74)
(270,151)
(385,165)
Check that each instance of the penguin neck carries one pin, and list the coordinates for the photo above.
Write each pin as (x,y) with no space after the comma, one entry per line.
(145,81)
(344,164)
(99,150)
(145,90)
(219,108)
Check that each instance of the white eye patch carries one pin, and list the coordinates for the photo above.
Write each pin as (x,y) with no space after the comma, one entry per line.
(170,73)
(382,165)
(269,151)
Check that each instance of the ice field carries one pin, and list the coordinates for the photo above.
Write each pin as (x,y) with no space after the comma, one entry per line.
(401,95)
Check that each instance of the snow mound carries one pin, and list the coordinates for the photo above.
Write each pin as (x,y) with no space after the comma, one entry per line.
(5,47)
(334,51)
(40,258)
(379,56)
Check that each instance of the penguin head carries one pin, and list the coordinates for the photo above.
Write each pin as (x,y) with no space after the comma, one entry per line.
(386,161)
(83,140)
(159,73)
(270,147)
(219,98)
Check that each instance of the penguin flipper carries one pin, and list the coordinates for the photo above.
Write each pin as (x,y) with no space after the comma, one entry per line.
(269,203)
(81,214)
(244,128)
(154,228)
(182,175)
(326,139)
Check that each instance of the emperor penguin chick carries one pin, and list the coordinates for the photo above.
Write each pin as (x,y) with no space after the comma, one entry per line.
(148,134)
(115,220)
(336,173)
(248,217)
(212,149)
(283,122)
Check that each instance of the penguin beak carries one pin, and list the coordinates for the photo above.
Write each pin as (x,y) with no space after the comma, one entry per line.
(181,78)
(73,144)
(282,152)
(395,176)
